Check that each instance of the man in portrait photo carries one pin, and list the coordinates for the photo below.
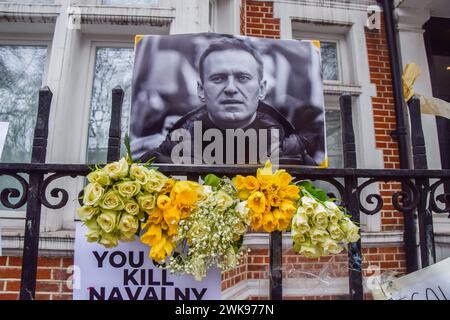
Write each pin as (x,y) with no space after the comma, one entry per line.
(232,125)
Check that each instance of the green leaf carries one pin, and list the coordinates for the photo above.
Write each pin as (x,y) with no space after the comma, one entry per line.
(212,180)
(238,244)
(127,145)
(317,193)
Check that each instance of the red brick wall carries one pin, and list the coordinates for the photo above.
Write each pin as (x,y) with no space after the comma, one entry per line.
(258,19)
(384,120)
(51,282)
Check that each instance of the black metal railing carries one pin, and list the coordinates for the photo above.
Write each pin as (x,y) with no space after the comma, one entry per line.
(420,194)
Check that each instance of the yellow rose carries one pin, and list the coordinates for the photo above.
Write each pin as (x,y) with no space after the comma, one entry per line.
(240,228)
(131,207)
(161,250)
(128,189)
(171,216)
(318,235)
(107,220)
(146,202)
(112,201)
(334,213)
(309,204)
(93,193)
(297,236)
(163,202)
(350,229)
(269,222)
(336,232)
(251,183)
(87,212)
(100,177)
(152,236)
(117,170)
(128,224)
(320,217)
(309,250)
(223,200)
(257,202)
(301,221)
(93,232)
(109,240)
(156,181)
(255,220)
(331,246)
(127,237)
(139,173)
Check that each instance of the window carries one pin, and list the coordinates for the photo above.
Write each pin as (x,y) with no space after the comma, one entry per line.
(334,138)
(330,61)
(21,75)
(212,15)
(131,2)
(113,67)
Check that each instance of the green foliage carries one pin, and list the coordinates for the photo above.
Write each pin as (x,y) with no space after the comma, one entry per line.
(319,194)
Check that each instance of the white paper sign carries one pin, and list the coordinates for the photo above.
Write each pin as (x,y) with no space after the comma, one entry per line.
(126,273)
(3,132)
(430,283)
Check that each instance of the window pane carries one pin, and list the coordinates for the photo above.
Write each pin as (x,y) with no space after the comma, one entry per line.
(334,138)
(21,71)
(113,67)
(329,60)
(131,2)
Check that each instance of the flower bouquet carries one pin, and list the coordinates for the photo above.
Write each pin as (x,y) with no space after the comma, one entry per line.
(320,227)
(212,235)
(271,198)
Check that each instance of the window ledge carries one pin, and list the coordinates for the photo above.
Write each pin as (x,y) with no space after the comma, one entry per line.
(116,15)
(34,13)
(338,89)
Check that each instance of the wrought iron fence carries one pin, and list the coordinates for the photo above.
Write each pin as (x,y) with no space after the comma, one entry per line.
(420,194)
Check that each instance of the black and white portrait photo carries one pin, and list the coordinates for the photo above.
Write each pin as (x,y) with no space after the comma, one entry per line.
(219,99)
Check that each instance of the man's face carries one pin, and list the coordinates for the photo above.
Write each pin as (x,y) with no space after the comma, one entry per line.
(231,88)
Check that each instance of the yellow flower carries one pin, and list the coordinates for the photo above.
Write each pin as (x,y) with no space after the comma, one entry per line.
(223,200)
(163,202)
(282,178)
(112,201)
(131,207)
(128,189)
(266,171)
(93,232)
(139,173)
(300,221)
(87,212)
(184,211)
(152,236)
(269,222)
(257,202)
(171,216)
(100,177)
(318,235)
(239,182)
(336,232)
(283,220)
(117,170)
(107,220)
(243,194)
(309,250)
(156,181)
(251,183)
(350,229)
(172,230)
(255,220)
(156,216)
(161,250)
(185,193)
(331,246)
(287,207)
(147,202)
(93,192)
(320,217)
(297,236)
(128,224)
(274,200)
(291,192)
(167,186)
(109,240)
(127,237)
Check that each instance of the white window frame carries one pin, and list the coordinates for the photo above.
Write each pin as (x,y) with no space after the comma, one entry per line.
(14,218)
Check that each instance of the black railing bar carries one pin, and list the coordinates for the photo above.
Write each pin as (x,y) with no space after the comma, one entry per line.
(83,169)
